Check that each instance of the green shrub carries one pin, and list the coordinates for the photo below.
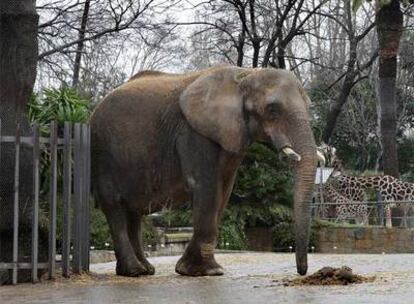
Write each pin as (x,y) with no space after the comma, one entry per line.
(100,233)
(59,105)
(149,233)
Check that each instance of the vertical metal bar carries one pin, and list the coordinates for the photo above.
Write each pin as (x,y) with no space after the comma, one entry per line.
(84,213)
(67,189)
(53,202)
(85,197)
(35,216)
(0,163)
(322,212)
(88,187)
(380,209)
(77,195)
(16,205)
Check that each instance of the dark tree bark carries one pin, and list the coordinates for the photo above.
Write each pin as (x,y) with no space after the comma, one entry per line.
(79,48)
(255,39)
(389,21)
(256,52)
(240,47)
(18,60)
(339,103)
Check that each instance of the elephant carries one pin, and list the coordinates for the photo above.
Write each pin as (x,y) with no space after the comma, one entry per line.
(164,138)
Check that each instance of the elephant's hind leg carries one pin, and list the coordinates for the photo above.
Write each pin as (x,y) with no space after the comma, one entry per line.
(135,236)
(127,262)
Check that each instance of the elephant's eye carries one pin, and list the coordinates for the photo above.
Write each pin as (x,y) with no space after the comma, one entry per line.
(273,110)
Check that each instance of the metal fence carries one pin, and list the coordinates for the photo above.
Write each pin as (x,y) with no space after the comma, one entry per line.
(402,212)
(69,155)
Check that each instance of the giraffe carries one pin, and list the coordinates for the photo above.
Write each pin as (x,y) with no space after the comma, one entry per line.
(346,208)
(390,189)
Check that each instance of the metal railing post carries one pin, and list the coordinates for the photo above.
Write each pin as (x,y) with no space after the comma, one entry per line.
(77,248)
(35,216)
(16,206)
(53,200)
(67,189)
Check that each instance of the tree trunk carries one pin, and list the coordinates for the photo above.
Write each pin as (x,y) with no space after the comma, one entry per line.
(240,47)
(281,56)
(256,52)
(348,82)
(18,60)
(79,48)
(389,19)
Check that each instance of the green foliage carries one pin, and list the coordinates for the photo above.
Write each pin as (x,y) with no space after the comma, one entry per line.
(283,234)
(263,194)
(59,105)
(178,217)
(150,235)
(100,233)
(263,178)
(231,230)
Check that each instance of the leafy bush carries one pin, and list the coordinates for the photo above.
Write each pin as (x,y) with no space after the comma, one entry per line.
(100,233)
(283,235)
(178,217)
(59,105)
(261,197)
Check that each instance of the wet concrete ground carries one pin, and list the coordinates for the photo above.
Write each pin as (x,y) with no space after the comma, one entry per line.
(249,278)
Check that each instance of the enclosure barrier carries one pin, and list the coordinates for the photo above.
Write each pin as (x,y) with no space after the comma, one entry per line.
(376,211)
(75,147)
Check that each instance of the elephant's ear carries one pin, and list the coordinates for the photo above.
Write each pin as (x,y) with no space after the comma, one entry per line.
(213,106)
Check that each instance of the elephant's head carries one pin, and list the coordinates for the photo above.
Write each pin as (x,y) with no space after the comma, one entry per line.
(235,107)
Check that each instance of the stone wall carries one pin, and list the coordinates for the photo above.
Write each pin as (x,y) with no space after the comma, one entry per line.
(259,238)
(365,240)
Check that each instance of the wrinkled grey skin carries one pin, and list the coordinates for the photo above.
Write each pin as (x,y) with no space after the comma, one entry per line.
(164,139)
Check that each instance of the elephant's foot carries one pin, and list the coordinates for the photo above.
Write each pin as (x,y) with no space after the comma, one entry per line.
(206,268)
(130,267)
(150,270)
(199,263)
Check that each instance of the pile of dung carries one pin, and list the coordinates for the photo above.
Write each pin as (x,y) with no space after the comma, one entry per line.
(330,276)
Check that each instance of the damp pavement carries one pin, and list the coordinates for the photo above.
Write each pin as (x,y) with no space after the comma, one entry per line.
(249,278)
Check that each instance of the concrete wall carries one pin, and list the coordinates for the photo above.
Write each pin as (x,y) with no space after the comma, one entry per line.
(365,240)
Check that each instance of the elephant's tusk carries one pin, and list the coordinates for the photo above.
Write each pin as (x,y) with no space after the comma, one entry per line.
(292,154)
(321,157)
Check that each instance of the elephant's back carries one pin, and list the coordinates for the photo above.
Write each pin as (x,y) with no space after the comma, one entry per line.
(129,143)
(144,94)
(128,118)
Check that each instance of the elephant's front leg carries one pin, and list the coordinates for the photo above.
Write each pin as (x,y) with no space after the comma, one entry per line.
(202,173)
(198,258)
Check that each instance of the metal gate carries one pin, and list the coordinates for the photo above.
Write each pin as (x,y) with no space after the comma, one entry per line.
(70,156)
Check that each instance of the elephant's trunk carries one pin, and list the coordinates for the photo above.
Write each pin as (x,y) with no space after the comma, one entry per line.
(304,144)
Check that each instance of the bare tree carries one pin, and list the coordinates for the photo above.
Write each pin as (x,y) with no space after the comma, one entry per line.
(79,48)
(72,32)
(257,31)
